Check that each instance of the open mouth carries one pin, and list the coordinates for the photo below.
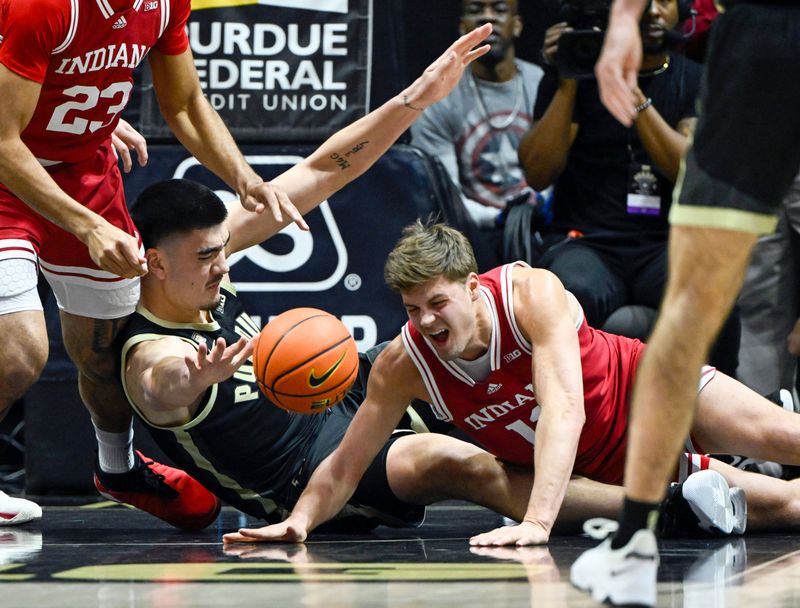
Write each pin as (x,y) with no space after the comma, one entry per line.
(439,337)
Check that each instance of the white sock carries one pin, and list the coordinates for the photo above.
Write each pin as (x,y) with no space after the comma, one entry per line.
(115,450)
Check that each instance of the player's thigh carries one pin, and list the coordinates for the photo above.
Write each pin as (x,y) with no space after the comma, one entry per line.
(733,419)
(22,324)
(90,343)
(706,270)
(427,467)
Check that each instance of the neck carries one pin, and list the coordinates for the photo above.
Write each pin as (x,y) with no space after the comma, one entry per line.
(482,335)
(503,71)
(651,63)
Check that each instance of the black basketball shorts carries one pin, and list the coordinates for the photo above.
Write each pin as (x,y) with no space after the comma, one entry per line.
(746,149)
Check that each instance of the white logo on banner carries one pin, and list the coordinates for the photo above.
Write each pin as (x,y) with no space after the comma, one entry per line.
(302,242)
(327,6)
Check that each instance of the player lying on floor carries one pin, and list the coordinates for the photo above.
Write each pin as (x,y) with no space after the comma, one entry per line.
(188,373)
(507,357)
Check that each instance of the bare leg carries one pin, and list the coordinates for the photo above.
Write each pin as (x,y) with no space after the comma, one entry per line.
(732,419)
(23,355)
(705,274)
(772,504)
(429,467)
(89,344)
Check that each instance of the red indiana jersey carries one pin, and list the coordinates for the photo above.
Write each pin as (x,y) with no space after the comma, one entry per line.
(83,53)
(501,412)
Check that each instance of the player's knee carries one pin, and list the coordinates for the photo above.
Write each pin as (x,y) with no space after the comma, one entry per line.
(96,367)
(19,372)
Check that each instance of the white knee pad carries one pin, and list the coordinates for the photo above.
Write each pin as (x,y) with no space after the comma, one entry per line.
(18,279)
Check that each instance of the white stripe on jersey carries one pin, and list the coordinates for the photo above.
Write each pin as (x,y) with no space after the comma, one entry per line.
(437,403)
(494,341)
(507,293)
(137,5)
(73,27)
(165,8)
(105,8)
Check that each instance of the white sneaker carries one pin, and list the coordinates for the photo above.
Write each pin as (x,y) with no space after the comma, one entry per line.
(719,509)
(702,505)
(618,576)
(15,511)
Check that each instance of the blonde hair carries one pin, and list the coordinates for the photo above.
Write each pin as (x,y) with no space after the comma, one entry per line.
(425,252)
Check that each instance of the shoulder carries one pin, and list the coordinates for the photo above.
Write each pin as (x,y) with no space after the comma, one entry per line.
(393,368)
(529,70)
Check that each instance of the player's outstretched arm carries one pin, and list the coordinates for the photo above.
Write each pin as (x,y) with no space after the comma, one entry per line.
(543,311)
(617,70)
(337,477)
(111,248)
(169,373)
(352,150)
(200,129)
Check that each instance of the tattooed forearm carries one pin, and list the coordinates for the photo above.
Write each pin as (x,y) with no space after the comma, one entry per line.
(342,159)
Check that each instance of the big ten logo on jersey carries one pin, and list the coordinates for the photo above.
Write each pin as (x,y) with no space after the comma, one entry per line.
(293,268)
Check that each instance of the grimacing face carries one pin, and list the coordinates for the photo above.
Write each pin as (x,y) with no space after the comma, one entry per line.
(442,311)
(195,265)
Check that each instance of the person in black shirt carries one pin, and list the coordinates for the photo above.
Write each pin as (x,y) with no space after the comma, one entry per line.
(613,184)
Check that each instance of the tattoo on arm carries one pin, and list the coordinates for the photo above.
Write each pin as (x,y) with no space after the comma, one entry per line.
(341,159)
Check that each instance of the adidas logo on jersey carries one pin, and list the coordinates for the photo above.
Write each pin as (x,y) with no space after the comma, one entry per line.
(150,6)
(493,388)
(119,23)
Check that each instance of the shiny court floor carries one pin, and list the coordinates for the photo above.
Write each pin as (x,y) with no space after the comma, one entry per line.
(112,556)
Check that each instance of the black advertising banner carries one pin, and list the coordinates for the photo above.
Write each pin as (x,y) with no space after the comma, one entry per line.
(279,70)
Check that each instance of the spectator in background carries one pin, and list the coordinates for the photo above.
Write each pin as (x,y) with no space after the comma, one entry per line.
(612,184)
(476,130)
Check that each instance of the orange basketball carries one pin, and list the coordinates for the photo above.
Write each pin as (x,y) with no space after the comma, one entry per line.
(305,360)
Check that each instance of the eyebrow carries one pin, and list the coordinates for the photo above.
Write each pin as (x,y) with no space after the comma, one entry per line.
(207,250)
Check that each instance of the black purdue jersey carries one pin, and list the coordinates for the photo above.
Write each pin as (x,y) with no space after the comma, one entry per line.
(239,445)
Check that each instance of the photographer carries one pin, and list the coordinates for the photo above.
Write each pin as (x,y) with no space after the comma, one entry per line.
(613,184)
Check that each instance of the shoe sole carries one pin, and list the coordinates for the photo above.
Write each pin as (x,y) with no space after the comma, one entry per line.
(21,518)
(724,511)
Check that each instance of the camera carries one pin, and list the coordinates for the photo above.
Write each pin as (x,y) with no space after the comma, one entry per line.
(579,49)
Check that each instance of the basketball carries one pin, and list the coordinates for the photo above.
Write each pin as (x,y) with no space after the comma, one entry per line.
(305,360)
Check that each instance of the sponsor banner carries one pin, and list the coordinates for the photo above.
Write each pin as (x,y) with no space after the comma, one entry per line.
(279,70)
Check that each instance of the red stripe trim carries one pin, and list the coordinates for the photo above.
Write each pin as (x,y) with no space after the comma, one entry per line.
(84,276)
(8,515)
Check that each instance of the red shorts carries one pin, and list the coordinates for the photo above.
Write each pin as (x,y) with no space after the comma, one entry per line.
(80,287)
(96,183)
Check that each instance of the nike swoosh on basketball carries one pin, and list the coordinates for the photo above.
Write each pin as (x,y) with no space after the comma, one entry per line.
(314,380)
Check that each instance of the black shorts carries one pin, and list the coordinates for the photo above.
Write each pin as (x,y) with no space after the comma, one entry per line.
(746,149)
(373,502)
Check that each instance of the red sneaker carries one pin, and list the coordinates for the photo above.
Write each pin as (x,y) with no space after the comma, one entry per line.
(169,494)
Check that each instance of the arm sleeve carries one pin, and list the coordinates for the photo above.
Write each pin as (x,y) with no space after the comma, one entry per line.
(30,31)
(175,40)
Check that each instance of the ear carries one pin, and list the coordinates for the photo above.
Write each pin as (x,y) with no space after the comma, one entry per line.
(473,285)
(155,262)
(517,26)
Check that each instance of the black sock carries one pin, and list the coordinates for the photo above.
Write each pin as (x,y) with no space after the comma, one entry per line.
(635,516)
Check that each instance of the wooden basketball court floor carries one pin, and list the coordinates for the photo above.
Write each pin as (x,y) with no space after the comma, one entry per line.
(105,556)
